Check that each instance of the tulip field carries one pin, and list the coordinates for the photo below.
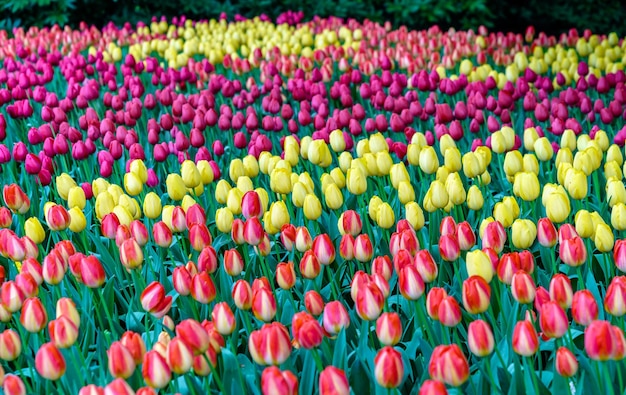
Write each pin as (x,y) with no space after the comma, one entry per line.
(326,206)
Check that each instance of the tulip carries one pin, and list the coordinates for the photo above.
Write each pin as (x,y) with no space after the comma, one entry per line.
(155,370)
(242,295)
(285,275)
(449,248)
(561,290)
(34,317)
(223,318)
(350,223)
(203,288)
(476,295)
(546,232)
(525,340)
(179,356)
(449,365)
(433,387)
(600,341)
(192,333)
(388,368)
(275,381)
(478,264)
(565,362)
(410,283)
(614,298)
(10,345)
(389,329)
(584,308)
(264,304)
(270,345)
(135,345)
(233,262)
(335,318)
(49,362)
(323,249)
(553,320)
(426,266)
(333,381)
(449,312)
(523,287)
(121,362)
(480,338)
(314,303)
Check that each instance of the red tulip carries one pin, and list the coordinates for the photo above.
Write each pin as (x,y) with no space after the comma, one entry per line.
(523,287)
(63,332)
(336,318)
(449,312)
(433,300)
(179,356)
(584,307)
(121,362)
(449,365)
(242,295)
(275,381)
(614,300)
(223,318)
(546,233)
(388,368)
(433,387)
(561,290)
(34,317)
(480,338)
(600,341)
(476,295)
(333,381)
(285,275)
(525,340)
(135,345)
(10,345)
(553,320)
(155,370)
(192,333)
(389,329)
(565,362)
(264,304)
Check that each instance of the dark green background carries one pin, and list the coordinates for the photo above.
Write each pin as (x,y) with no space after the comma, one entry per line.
(553,17)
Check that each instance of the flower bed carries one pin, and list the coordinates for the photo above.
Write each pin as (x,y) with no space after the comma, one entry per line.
(324,206)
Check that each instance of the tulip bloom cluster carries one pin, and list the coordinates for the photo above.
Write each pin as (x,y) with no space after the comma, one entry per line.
(321,205)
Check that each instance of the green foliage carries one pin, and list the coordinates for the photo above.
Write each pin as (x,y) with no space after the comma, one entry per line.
(506,15)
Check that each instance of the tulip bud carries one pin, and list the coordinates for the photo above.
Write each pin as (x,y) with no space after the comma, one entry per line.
(155,370)
(121,362)
(10,345)
(314,303)
(242,295)
(336,318)
(333,381)
(561,290)
(389,329)
(449,365)
(553,320)
(600,341)
(525,340)
(49,362)
(565,362)
(388,368)
(480,338)
(275,381)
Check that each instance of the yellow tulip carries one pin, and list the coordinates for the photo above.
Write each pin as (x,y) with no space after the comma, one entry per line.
(415,215)
(132,184)
(333,197)
(224,219)
(78,222)
(385,217)
(312,207)
(603,238)
(429,163)
(76,198)
(478,263)
(475,199)
(356,181)
(523,233)
(34,230)
(64,183)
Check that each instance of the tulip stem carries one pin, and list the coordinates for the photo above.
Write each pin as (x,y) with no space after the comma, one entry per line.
(216,377)
(531,370)
(318,360)
(331,282)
